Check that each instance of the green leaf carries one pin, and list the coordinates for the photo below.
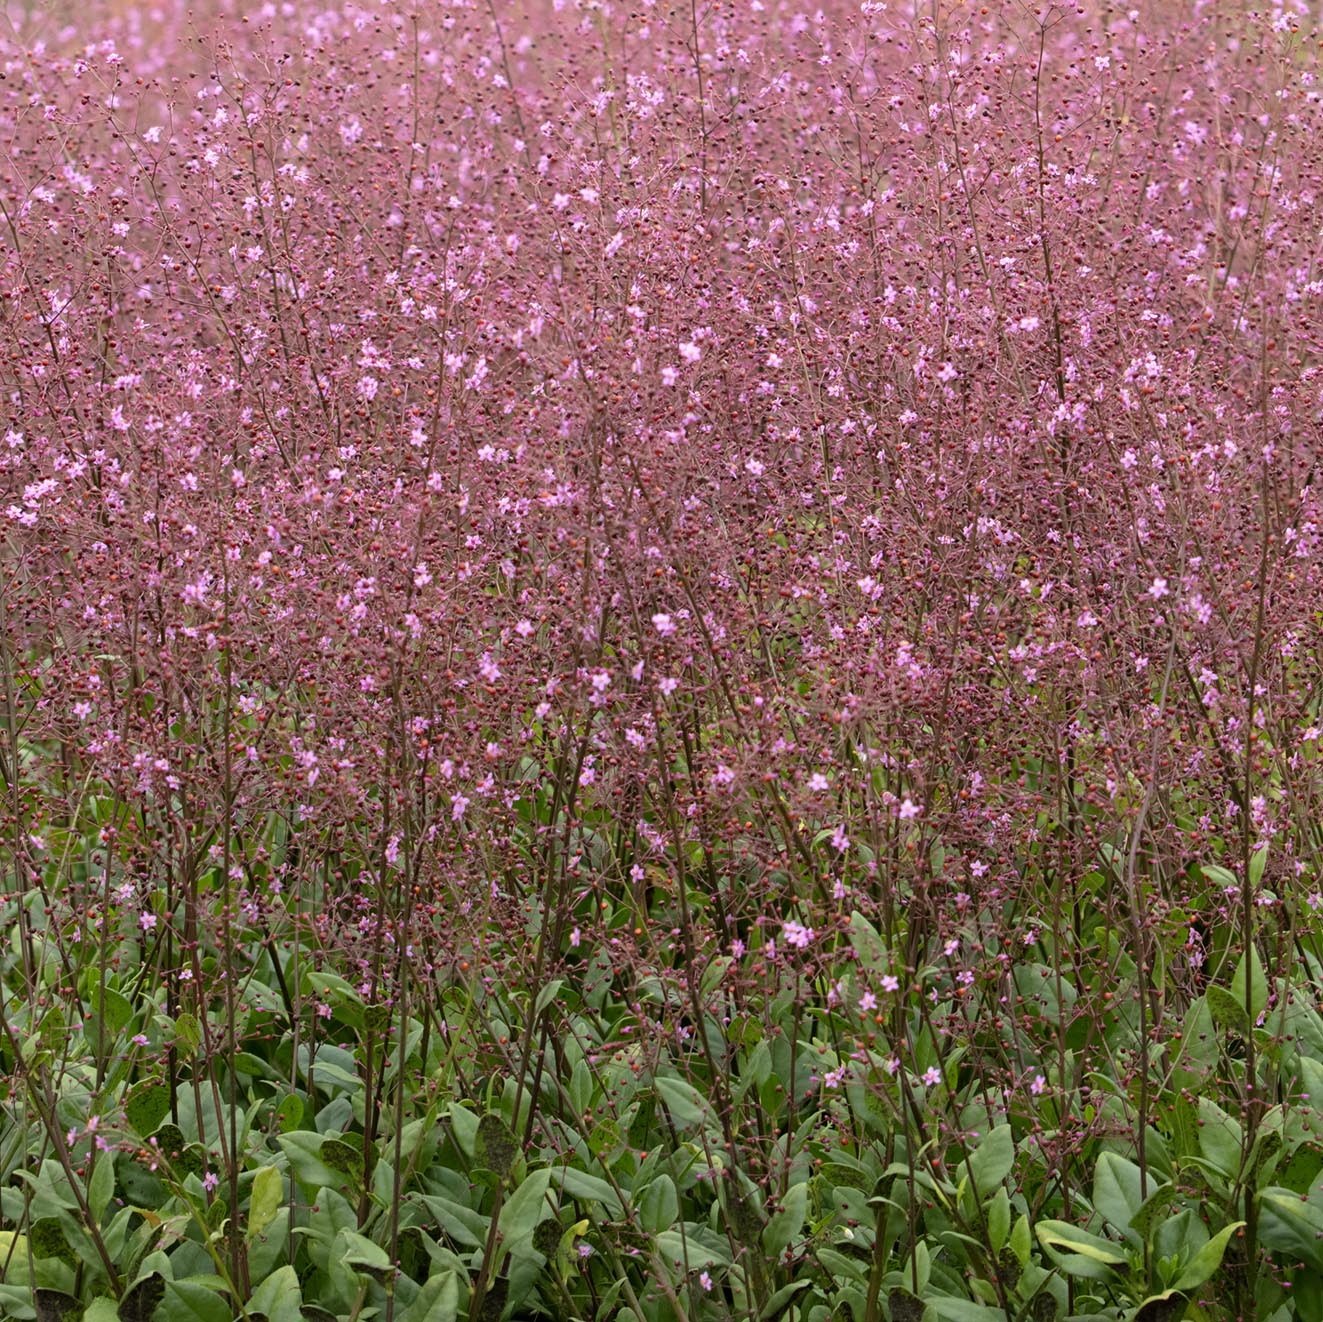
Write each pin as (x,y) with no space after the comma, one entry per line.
(1220,876)
(343,1158)
(999,1220)
(688,1107)
(992,1161)
(962,1310)
(1207,1260)
(278,1297)
(437,1301)
(1158,1201)
(689,1246)
(781,1300)
(1196,1057)
(1078,1252)
(659,1205)
(588,1188)
(1258,862)
(868,946)
(547,995)
(464,1126)
(1116,1194)
(188,1299)
(525,1208)
(147,1106)
(267,1195)
(1249,979)
(1290,1225)
(465,1226)
(289,1114)
(1220,1138)
(360,1253)
(303,1148)
(784,1227)
(187,1033)
(1021,1244)
(14,1258)
(1227,1011)
(100,1186)
(114,1008)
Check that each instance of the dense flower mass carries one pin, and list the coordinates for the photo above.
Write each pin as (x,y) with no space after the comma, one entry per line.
(619,493)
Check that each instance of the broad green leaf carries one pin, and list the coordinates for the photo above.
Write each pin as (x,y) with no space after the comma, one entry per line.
(587,1188)
(992,1161)
(1116,1194)
(13,1258)
(114,1008)
(547,995)
(465,1226)
(360,1253)
(464,1126)
(147,1106)
(691,1246)
(1220,1137)
(1291,1226)
(1078,1252)
(303,1148)
(1257,864)
(868,946)
(289,1114)
(688,1107)
(1157,1202)
(659,1205)
(1207,1260)
(1249,979)
(187,1033)
(784,1227)
(525,1208)
(781,1300)
(101,1186)
(919,1267)
(999,1220)
(189,1300)
(1196,1056)
(437,1301)
(100,1309)
(1226,1010)
(963,1310)
(267,1194)
(269,1248)
(278,1297)
(1021,1243)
